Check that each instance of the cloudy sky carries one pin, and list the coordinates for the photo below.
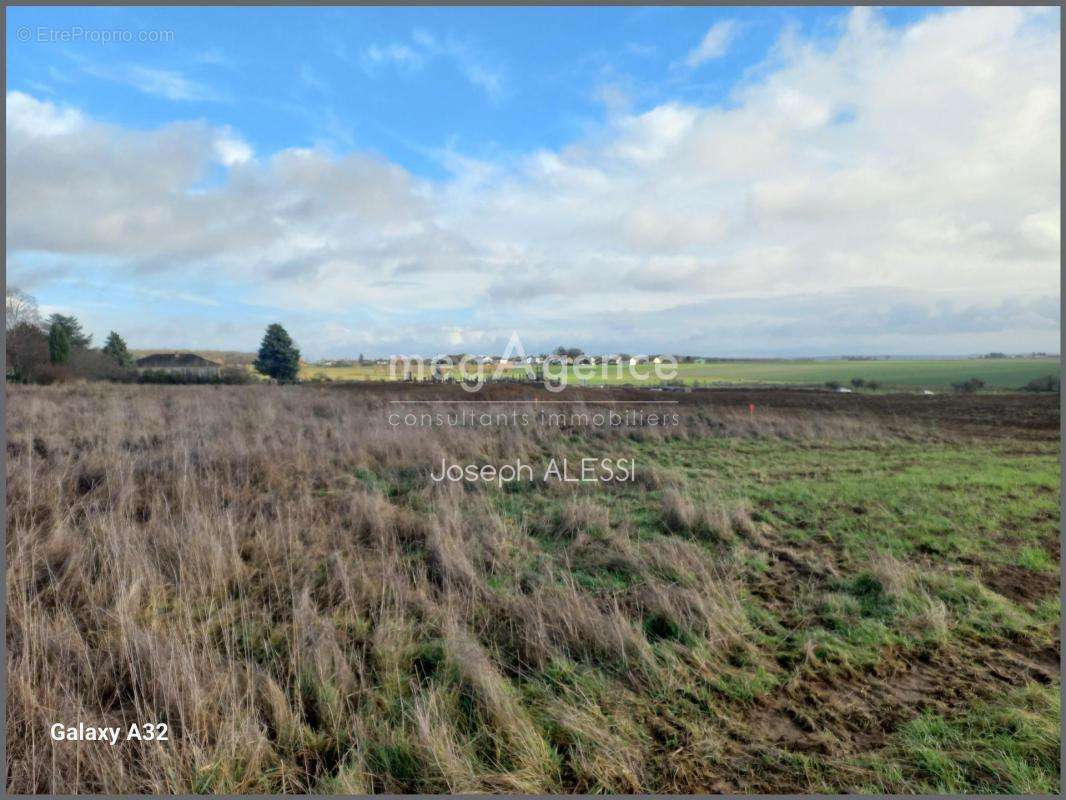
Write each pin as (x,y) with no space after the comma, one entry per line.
(717,181)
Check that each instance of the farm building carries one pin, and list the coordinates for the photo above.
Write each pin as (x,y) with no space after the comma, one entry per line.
(187,365)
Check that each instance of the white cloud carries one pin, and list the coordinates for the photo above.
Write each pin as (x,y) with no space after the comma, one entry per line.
(213,56)
(165,83)
(714,44)
(1041,230)
(424,47)
(396,53)
(895,190)
(40,119)
(230,149)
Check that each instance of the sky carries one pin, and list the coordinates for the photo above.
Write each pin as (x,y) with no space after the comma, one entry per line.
(714,181)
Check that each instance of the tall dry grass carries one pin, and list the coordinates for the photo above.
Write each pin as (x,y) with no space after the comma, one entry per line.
(267,570)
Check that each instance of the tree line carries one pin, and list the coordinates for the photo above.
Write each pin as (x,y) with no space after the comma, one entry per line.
(57,348)
(54,348)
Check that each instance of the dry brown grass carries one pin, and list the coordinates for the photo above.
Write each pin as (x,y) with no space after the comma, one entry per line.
(267,570)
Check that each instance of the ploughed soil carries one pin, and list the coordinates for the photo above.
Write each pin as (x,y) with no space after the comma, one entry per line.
(1028,414)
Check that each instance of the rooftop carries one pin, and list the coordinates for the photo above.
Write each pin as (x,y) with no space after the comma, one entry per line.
(175,360)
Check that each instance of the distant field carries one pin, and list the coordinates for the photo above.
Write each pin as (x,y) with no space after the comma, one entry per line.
(1009,373)
(370,372)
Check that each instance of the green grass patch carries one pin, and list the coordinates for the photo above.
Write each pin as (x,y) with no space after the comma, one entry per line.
(1009,745)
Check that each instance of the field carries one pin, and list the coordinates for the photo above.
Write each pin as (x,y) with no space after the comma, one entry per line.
(833,593)
(1007,373)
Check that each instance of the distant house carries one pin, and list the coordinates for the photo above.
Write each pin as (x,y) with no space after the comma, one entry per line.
(186,365)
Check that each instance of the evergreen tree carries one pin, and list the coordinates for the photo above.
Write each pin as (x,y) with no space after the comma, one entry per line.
(75,335)
(58,344)
(278,356)
(115,346)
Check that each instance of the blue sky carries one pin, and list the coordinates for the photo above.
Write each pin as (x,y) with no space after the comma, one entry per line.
(405,82)
(528,155)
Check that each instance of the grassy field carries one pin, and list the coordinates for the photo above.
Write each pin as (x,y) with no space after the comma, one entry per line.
(939,375)
(825,598)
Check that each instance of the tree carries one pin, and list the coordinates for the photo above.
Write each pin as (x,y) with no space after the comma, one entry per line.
(278,356)
(115,347)
(21,309)
(75,335)
(96,365)
(27,352)
(569,352)
(58,344)
(858,383)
